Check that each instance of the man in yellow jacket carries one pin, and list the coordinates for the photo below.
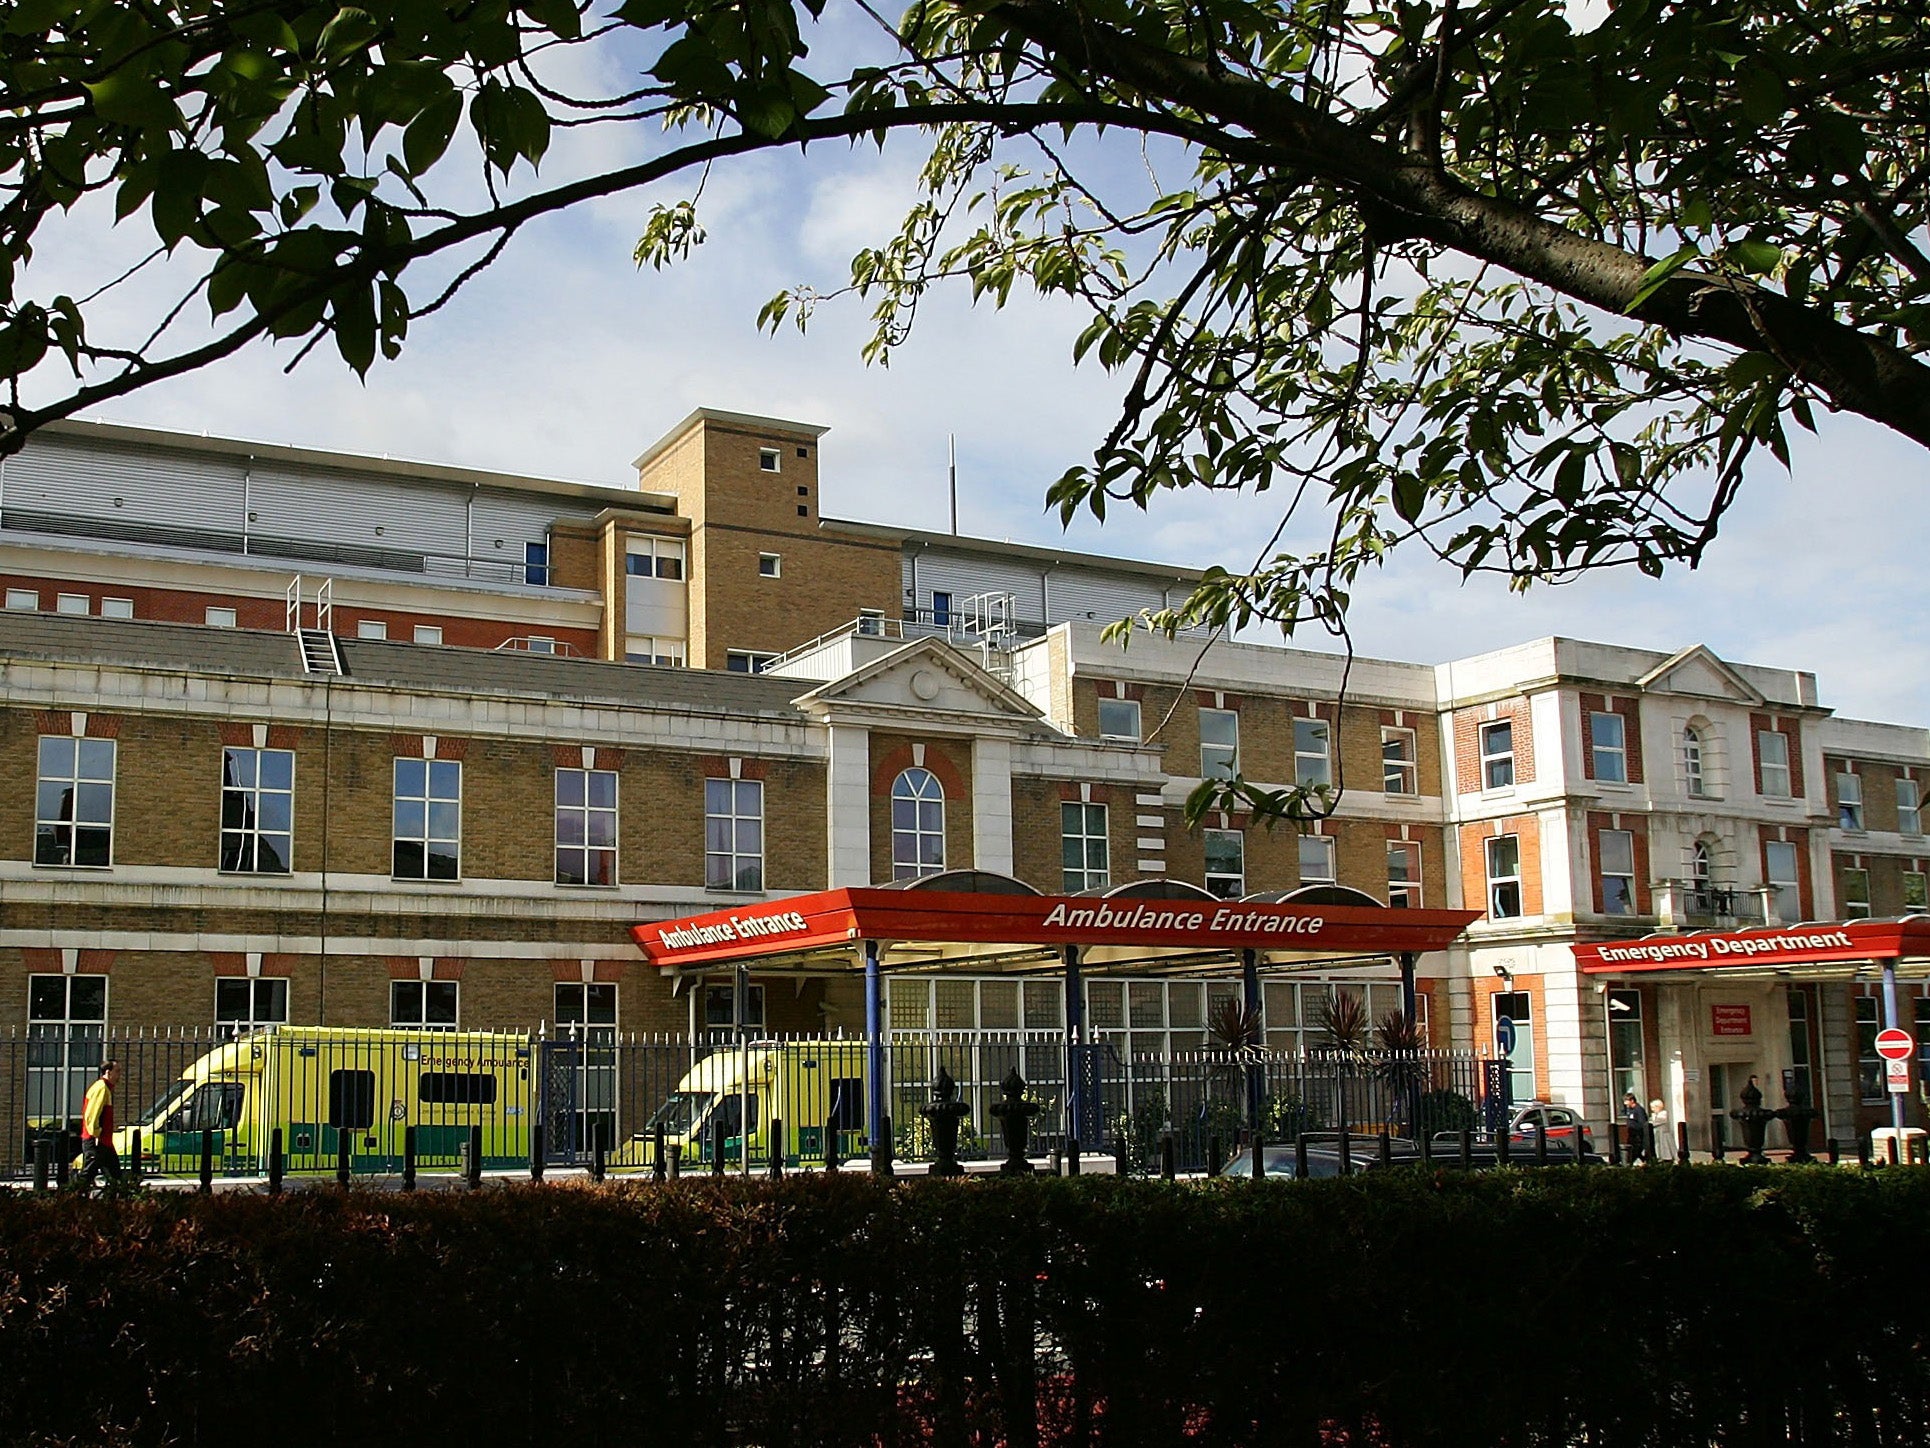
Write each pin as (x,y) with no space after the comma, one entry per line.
(97,1129)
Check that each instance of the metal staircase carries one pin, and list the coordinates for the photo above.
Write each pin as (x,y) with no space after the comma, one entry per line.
(319,652)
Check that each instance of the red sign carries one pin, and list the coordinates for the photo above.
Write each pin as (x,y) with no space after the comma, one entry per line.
(1729,1020)
(1894,1045)
(1711,950)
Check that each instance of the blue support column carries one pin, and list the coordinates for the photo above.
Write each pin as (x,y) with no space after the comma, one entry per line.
(1075,1048)
(1256,1076)
(874,1036)
(1407,961)
(1890,1020)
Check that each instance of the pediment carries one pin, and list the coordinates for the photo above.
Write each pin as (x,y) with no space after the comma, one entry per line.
(1699,673)
(926,676)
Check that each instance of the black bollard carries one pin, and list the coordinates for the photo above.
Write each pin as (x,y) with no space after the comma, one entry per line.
(1168,1164)
(1648,1133)
(1072,1156)
(1213,1160)
(1346,1152)
(1386,1149)
(274,1162)
(1259,1160)
(1682,1142)
(342,1160)
(207,1162)
(657,1166)
(1119,1153)
(64,1158)
(717,1139)
(43,1163)
(408,1158)
(1503,1147)
(1615,1147)
(1467,1148)
(676,1150)
(777,1149)
(831,1159)
(1300,1156)
(1426,1143)
(1541,1143)
(537,1152)
(1719,1148)
(475,1158)
(598,1161)
(881,1152)
(1863,1152)
(1835,1150)
(134,1158)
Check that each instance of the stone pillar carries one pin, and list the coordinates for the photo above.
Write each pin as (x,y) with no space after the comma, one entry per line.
(847,813)
(992,805)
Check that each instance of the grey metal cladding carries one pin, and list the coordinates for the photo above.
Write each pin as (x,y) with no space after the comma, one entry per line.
(1083,594)
(962,575)
(106,490)
(514,519)
(326,506)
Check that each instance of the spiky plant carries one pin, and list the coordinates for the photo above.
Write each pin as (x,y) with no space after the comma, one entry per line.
(1343,1022)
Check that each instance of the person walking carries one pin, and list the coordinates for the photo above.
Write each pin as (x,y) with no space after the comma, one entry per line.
(1661,1138)
(1635,1117)
(97,1130)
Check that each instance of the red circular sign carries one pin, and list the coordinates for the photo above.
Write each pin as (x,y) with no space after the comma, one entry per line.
(1895,1045)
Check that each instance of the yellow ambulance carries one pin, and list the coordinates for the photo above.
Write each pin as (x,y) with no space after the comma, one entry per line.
(814,1091)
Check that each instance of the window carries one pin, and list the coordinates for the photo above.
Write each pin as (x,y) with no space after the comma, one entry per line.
(1849,801)
(1869,1066)
(245,1004)
(586,827)
(220,618)
(540,644)
(733,834)
(1773,749)
(66,1018)
(1219,743)
(1517,1008)
(78,603)
(1916,890)
(257,811)
(748,661)
(1397,762)
(768,459)
(1083,850)
(427,633)
(351,1100)
(117,608)
(371,628)
(871,622)
(1504,877)
(667,653)
(23,599)
(1693,778)
(1617,849)
(1800,1055)
(1856,894)
(423,1005)
(586,1008)
(1779,863)
(74,802)
(1403,875)
(720,1007)
(654,558)
(1225,863)
(1317,860)
(586,1011)
(1119,719)
(455,1088)
(917,825)
(941,609)
(1498,754)
(1625,1044)
(770,565)
(1701,878)
(428,819)
(1909,807)
(1608,746)
(536,563)
(1312,765)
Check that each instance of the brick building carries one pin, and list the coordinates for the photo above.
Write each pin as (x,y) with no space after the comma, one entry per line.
(306,737)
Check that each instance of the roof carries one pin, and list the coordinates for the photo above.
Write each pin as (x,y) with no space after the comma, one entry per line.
(746,421)
(1031,553)
(1813,950)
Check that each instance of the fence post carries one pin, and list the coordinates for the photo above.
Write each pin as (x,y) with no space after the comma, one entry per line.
(1213,1157)
(408,1158)
(274,1162)
(207,1161)
(43,1163)
(134,1158)
(537,1148)
(656,1152)
(475,1158)
(777,1148)
(717,1146)
(342,1158)
(1467,1148)
(1167,1156)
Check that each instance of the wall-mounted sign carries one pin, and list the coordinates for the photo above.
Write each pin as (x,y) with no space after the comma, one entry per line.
(1729,1020)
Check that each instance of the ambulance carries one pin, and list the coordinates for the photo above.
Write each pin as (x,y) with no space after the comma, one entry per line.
(811,1091)
(324,1085)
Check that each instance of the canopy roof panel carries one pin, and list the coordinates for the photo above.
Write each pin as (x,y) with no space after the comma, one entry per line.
(935,929)
(1816,950)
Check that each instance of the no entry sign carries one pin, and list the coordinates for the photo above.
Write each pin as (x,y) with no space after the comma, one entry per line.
(1894,1045)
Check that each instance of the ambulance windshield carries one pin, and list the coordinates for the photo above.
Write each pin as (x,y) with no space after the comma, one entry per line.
(682,1111)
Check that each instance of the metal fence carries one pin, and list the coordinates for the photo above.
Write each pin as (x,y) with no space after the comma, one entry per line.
(373,1097)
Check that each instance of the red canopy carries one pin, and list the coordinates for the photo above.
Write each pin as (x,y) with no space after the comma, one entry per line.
(1786,948)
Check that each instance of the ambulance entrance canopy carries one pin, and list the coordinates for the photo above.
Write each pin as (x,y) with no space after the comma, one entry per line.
(1837,950)
(982,923)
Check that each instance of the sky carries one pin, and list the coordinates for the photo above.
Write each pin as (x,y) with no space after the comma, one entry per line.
(566,360)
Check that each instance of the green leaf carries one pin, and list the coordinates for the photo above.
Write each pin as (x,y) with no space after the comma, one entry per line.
(428,135)
(1657,276)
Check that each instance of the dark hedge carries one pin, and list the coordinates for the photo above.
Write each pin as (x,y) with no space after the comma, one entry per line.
(1663,1306)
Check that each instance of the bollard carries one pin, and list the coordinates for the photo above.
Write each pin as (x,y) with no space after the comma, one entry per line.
(1541,1143)
(676,1150)
(1259,1159)
(1467,1148)
(656,1152)
(1718,1146)
(1213,1162)
(1300,1156)
(134,1159)
(475,1158)
(881,1151)
(408,1158)
(1503,1148)
(274,1162)
(832,1161)
(598,1161)
(1863,1152)
(1386,1148)
(64,1158)
(1053,1164)
(1615,1147)
(1346,1152)
(1168,1163)
(1648,1141)
(43,1163)
(207,1162)
(1835,1150)
(538,1153)
(342,1160)
(1072,1156)
(1426,1143)
(1682,1142)
(717,1139)
(1119,1153)
(777,1149)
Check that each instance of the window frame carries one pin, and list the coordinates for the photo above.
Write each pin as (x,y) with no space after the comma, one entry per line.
(1209,876)
(1327,855)
(254,1018)
(1321,775)
(1855,906)
(47,828)
(734,819)
(1916,898)
(1076,834)
(770,459)
(1406,886)
(1849,801)
(76,1044)
(250,836)
(536,562)
(1625,877)
(1219,768)
(1608,761)
(23,600)
(770,565)
(586,810)
(1909,817)
(217,616)
(1138,720)
(1794,884)
(424,991)
(1501,881)
(910,788)
(1780,768)
(372,628)
(1496,761)
(754,661)
(1695,777)
(1399,767)
(429,799)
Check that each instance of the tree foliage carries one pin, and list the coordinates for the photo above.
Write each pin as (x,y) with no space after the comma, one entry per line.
(1525,283)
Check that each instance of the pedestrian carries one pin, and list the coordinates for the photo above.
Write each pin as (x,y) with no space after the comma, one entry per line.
(1661,1139)
(97,1130)
(1636,1118)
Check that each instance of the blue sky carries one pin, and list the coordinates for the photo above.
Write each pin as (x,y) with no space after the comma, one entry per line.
(566,360)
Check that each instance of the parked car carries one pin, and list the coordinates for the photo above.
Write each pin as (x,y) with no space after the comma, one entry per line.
(1323,1157)
(1561,1124)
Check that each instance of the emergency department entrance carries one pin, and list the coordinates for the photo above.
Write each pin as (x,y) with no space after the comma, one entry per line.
(974,924)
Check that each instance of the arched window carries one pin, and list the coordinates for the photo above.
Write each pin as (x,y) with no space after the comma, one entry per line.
(917,825)
(1692,761)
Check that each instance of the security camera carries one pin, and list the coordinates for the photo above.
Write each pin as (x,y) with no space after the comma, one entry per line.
(1503,973)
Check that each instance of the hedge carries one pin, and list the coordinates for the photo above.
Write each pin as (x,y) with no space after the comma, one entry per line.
(1663,1306)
